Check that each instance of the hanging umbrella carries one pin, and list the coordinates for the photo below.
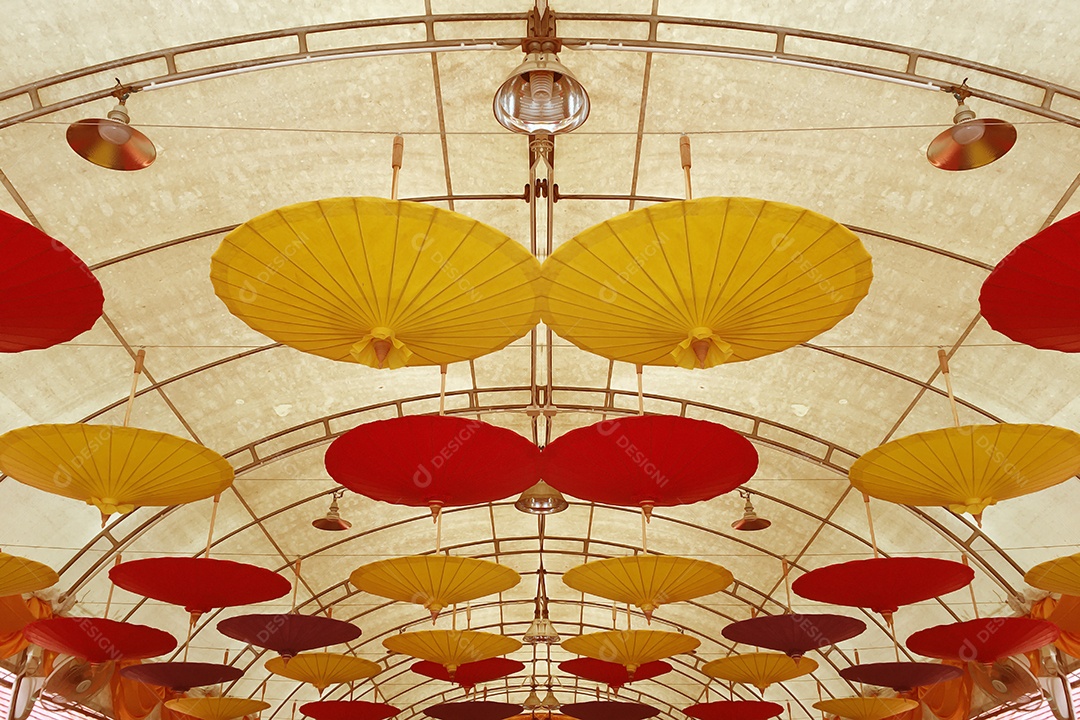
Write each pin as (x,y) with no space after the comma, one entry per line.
(116,469)
(901,676)
(702,282)
(969,468)
(380,282)
(866,708)
(473,673)
(434,581)
(288,635)
(734,710)
(451,648)
(216,708)
(323,669)
(648,581)
(20,575)
(475,710)
(433,461)
(759,669)
(630,648)
(794,634)
(983,640)
(1032,295)
(199,584)
(348,710)
(47,294)
(182,676)
(649,460)
(883,584)
(98,640)
(609,710)
(1060,575)
(612,674)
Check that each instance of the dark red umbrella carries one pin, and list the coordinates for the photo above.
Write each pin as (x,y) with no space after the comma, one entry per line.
(901,676)
(433,461)
(288,634)
(609,710)
(348,710)
(98,640)
(794,634)
(1033,295)
(734,710)
(47,294)
(199,584)
(649,461)
(883,584)
(983,640)
(612,674)
(475,710)
(182,676)
(470,674)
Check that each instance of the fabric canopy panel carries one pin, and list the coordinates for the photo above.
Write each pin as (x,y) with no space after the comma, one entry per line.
(609,710)
(759,669)
(98,640)
(434,581)
(969,468)
(630,648)
(379,282)
(983,640)
(901,676)
(216,708)
(199,584)
(47,294)
(794,634)
(471,674)
(1060,575)
(648,581)
(698,283)
(1033,296)
(323,669)
(883,584)
(433,461)
(20,575)
(348,710)
(649,461)
(288,635)
(866,708)
(734,710)
(474,710)
(182,676)
(451,648)
(116,469)
(14,614)
(612,674)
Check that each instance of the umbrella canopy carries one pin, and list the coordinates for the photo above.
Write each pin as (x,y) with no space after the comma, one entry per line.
(612,674)
(182,676)
(969,468)
(379,282)
(649,460)
(323,669)
(1060,575)
(199,584)
(702,282)
(433,461)
(1032,295)
(348,710)
(609,710)
(216,708)
(14,614)
(759,669)
(98,640)
(883,584)
(794,634)
(20,575)
(734,710)
(648,581)
(901,676)
(451,648)
(472,673)
(47,294)
(475,710)
(866,708)
(983,640)
(434,581)
(630,648)
(116,469)
(288,635)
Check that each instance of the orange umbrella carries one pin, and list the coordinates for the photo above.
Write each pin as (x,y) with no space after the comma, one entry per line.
(323,669)
(1060,575)
(759,669)
(451,648)
(216,708)
(19,575)
(631,648)
(866,708)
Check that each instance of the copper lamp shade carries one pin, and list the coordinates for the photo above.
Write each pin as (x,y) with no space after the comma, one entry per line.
(971,142)
(750,520)
(111,142)
(332,521)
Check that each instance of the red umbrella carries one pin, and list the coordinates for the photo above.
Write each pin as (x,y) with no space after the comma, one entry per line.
(182,676)
(476,710)
(199,584)
(47,294)
(983,640)
(348,710)
(609,710)
(883,584)
(470,674)
(734,710)
(901,676)
(1033,295)
(98,640)
(433,461)
(612,674)
(288,635)
(794,634)
(649,460)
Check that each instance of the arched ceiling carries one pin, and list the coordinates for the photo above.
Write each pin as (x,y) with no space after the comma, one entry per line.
(792,102)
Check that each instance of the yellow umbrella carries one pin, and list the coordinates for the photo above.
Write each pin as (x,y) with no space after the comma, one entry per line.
(323,669)
(1060,575)
(759,669)
(380,282)
(702,282)
(216,708)
(648,581)
(116,469)
(866,708)
(451,648)
(434,581)
(968,468)
(19,575)
(631,648)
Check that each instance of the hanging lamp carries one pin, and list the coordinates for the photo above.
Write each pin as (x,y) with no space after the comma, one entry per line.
(111,142)
(970,142)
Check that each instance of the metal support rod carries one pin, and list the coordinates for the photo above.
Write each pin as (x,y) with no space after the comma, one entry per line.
(296,585)
(640,392)
(684,158)
(213,520)
(442,389)
(112,586)
(971,587)
(787,581)
(140,358)
(395,163)
(943,364)
(870,522)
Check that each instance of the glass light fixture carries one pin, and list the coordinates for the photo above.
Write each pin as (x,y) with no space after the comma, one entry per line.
(541,97)
(541,499)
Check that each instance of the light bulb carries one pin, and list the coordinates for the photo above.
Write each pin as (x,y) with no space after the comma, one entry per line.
(114,132)
(541,96)
(968,132)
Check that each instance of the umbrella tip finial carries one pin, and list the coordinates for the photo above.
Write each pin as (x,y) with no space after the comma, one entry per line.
(646,510)
(436,510)
(701,350)
(382,349)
